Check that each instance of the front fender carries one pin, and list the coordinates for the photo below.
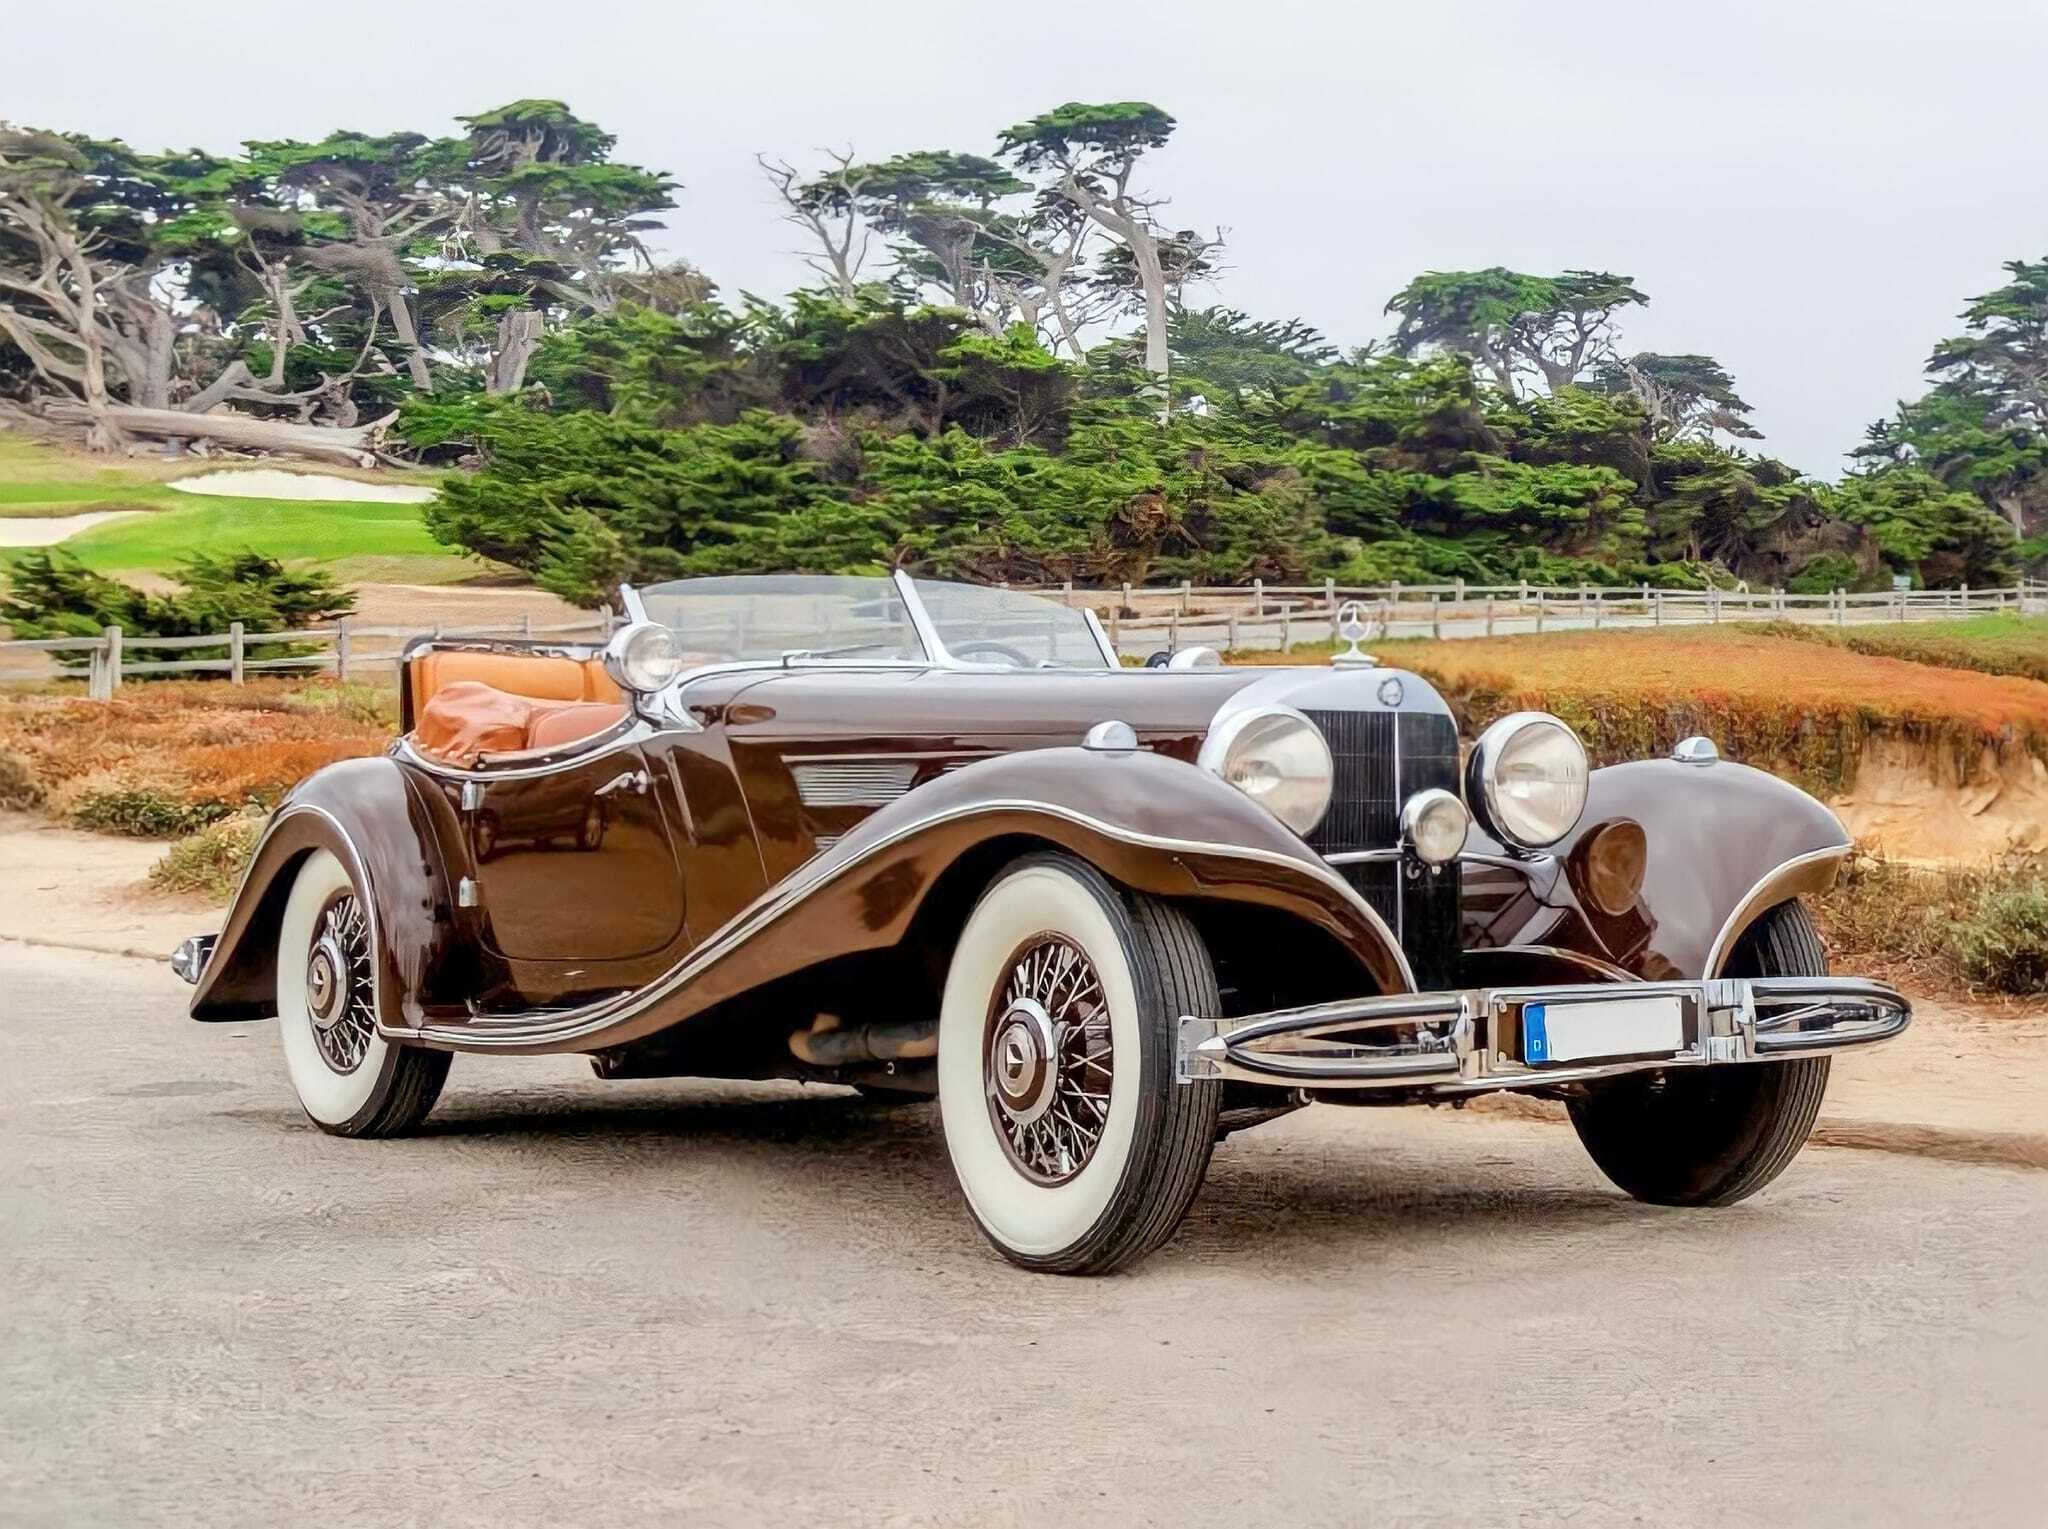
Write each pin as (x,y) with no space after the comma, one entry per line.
(1719,844)
(373,817)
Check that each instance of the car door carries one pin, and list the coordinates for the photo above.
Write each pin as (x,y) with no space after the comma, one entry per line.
(577,863)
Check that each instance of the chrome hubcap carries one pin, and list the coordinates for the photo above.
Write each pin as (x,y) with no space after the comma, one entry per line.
(338,985)
(1047,1060)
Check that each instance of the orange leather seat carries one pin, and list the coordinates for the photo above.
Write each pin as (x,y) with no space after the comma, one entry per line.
(535,676)
(467,719)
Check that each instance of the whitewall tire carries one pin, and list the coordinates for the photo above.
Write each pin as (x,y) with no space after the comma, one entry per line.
(349,1079)
(1074,1144)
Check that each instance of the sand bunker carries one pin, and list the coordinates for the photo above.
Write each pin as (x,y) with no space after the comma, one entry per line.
(48,530)
(271,483)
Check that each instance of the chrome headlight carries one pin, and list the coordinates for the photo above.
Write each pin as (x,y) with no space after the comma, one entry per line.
(1527,780)
(1278,758)
(643,657)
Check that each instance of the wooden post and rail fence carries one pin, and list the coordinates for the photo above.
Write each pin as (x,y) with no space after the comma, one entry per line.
(1139,620)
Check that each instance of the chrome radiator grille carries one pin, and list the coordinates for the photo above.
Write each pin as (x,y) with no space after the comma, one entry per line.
(1382,758)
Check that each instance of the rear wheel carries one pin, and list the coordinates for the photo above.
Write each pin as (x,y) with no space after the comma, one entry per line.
(1714,1135)
(1076,1147)
(349,1079)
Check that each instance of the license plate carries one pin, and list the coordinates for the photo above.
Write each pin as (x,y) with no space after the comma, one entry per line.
(1605,1027)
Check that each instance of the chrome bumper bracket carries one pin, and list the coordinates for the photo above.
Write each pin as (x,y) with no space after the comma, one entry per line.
(1469,1041)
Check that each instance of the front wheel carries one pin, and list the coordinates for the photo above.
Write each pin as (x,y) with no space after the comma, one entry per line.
(1714,1135)
(349,1079)
(1077,1149)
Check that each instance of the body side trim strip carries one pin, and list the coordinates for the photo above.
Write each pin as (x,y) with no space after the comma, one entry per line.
(560,1026)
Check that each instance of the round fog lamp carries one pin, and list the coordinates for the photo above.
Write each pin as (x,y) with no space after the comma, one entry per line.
(1433,826)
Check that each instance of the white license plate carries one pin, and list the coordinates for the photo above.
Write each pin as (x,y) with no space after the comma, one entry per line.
(1578,1031)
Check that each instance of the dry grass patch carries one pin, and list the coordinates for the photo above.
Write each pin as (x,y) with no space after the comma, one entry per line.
(165,759)
(1984,928)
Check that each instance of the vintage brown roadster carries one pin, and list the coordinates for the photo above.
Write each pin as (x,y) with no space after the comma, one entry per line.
(930,839)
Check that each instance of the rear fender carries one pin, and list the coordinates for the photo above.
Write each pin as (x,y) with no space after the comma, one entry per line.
(373,817)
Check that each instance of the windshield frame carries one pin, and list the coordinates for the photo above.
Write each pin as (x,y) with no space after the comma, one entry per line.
(922,624)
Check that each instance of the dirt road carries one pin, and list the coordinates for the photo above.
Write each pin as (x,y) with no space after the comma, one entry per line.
(702,1303)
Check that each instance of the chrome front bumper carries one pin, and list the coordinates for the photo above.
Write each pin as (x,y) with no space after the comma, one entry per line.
(1470,1042)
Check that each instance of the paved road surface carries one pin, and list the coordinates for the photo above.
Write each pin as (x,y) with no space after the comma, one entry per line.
(578,1302)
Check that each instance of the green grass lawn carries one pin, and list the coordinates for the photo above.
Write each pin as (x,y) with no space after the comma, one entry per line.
(2000,644)
(353,540)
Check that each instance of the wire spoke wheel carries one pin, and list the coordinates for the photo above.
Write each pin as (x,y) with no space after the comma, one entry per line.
(338,990)
(1049,1060)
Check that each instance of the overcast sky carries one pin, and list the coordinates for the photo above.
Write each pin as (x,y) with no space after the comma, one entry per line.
(1808,189)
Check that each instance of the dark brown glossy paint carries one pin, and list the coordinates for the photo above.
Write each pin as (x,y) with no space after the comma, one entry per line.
(1711,835)
(647,938)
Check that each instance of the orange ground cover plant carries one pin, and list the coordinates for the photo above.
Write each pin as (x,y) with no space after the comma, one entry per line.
(1802,709)
(166,757)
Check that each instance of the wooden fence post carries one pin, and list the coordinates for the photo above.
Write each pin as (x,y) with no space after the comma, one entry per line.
(1489,615)
(1234,644)
(1841,606)
(1286,632)
(1539,609)
(1598,606)
(1116,621)
(1436,615)
(1258,597)
(113,636)
(1460,588)
(1067,592)
(1186,593)
(1125,593)
(341,650)
(96,673)
(1330,599)
(1523,597)
(237,669)
(1966,611)
(1173,630)
(1657,608)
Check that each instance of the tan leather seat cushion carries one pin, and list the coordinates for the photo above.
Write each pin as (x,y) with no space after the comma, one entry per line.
(467,719)
(554,725)
(536,676)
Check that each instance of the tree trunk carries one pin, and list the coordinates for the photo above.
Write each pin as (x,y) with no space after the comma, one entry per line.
(355,446)
(409,337)
(519,335)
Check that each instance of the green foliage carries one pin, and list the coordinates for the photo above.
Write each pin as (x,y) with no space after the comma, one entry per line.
(2003,943)
(49,593)
(144,812)
(1943,536)
(211,861)
(584,500)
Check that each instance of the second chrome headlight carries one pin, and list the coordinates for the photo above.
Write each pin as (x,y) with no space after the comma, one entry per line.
(1278,758)
(1527,780)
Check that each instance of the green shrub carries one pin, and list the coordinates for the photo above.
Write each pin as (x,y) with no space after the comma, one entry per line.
(210,861)
(143,813)
(2003,943)
(49,593)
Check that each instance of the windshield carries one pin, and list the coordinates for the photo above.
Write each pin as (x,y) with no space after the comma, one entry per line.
(1001,626)
(772,616)
(816,616)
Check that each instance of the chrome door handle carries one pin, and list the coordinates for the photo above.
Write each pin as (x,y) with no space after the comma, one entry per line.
(631,780)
